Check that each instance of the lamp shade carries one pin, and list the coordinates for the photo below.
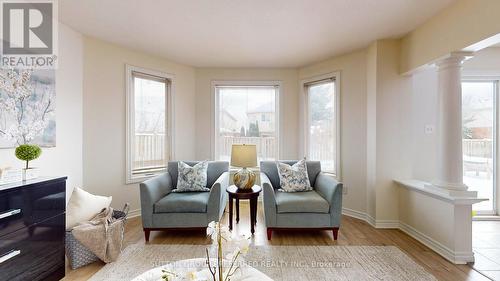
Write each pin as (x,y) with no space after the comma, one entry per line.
(244,155)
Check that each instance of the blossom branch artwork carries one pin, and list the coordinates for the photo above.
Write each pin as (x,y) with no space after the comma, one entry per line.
(27,107)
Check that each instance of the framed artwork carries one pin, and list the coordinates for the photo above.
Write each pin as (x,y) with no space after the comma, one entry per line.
(27,107)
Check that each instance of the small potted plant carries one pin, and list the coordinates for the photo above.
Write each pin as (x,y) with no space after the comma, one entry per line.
(28,152)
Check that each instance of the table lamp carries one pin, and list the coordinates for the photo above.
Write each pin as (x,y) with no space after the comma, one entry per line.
(244,156)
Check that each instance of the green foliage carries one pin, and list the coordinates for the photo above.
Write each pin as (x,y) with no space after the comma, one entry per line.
(28,152)
(467,133)
(466,130)
(253,130)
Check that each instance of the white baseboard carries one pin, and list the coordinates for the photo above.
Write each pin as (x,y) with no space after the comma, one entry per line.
(134,213)
(447,253)
(388,224)
(355,214)
(370,220)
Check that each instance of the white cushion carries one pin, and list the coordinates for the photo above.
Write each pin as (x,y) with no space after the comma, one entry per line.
(294,178)
(192,178)
(83,206)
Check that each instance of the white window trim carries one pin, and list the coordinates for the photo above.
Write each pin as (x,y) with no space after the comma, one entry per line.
(170,90)
(242,83)
(305,117)
(478,76)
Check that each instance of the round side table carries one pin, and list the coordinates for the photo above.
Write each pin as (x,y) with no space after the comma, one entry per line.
(238,194)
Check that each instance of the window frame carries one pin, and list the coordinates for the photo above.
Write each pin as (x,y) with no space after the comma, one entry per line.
(495,79)
(130,120)
(238,83)
(335,77)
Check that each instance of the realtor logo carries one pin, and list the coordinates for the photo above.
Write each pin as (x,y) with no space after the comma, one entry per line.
(28,34)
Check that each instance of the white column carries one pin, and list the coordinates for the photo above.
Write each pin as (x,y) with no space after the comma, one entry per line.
(449,166)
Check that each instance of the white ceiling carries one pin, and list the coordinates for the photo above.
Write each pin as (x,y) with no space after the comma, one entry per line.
(246,33)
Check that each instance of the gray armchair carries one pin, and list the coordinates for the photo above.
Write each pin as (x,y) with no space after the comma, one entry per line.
(162,209)
(319,209)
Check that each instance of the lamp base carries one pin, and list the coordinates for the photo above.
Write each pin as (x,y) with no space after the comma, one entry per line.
(244,179)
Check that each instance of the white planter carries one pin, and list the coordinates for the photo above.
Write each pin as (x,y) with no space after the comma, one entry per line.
(30,173)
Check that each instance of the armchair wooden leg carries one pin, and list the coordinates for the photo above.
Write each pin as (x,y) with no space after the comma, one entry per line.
(269,233)
(335,233)
(146,234)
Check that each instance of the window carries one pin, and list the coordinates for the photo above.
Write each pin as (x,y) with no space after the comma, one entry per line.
(479,135)
(322,123)
(246,114)
(148,119)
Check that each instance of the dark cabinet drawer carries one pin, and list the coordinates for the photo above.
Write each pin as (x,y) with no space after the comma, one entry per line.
(23,207)
(35,252)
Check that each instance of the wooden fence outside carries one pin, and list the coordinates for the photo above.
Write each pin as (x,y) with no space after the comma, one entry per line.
(266,146)
(150,149)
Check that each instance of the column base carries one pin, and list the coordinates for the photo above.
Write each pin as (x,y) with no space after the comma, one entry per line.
(450,186)
(453,190)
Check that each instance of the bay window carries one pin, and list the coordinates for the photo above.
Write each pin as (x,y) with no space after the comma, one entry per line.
(148,119)
(322,122)
(246,113)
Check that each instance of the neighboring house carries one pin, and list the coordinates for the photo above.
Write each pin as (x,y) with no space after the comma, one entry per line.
(479,124)
(477,116)
(264,116)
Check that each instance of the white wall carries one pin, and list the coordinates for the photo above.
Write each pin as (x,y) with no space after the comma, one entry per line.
(104,112)
(371,129)
(441,224)
(352,68)
(419,214)
(66,158)
(289,119)
(393,130)
(424,213)
(424,111)
(425,108)
(464,23)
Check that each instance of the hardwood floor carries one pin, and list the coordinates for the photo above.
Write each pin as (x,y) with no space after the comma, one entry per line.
(352,232)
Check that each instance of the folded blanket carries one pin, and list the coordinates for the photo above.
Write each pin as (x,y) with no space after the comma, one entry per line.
(102,235)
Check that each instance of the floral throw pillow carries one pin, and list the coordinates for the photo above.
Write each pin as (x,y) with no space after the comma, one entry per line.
(294,178)
(192,178)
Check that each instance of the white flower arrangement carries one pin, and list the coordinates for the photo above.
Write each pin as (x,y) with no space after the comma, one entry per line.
(221,269)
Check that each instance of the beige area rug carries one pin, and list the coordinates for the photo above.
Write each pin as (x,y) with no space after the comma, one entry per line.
(281,263)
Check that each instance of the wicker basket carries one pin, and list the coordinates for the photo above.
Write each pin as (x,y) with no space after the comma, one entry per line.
(77,254)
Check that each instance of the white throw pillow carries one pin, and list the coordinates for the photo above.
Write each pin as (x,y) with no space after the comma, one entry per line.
(294,178)
(192,178)
(83,206)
